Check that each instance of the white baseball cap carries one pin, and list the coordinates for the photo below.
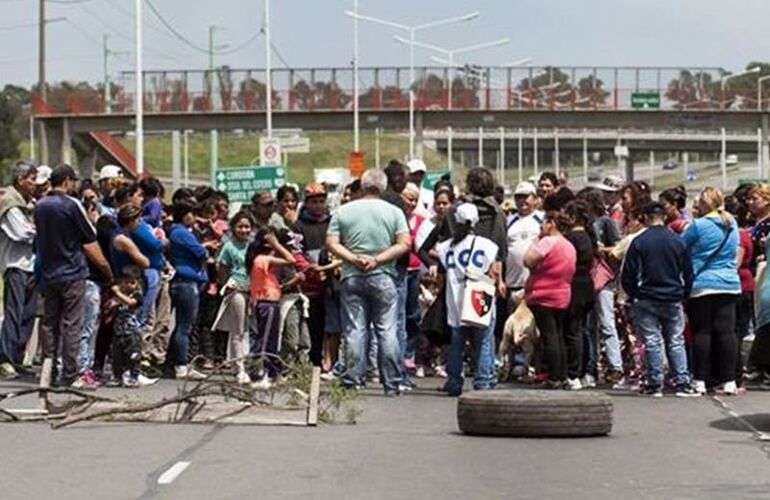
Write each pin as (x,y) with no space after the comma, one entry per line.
(467,213)
(110,172)
(43,174)
(416,165)
(525,188)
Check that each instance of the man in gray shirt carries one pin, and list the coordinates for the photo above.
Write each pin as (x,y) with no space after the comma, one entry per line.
(17,261)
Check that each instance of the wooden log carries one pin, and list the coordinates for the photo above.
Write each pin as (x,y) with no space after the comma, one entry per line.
(45,382)
(315,392)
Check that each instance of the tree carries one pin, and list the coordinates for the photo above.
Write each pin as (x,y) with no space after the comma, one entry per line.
(590,92)
(390,96)
(693,91)
(252,95)
(549,88)
(10,110)
(319,95)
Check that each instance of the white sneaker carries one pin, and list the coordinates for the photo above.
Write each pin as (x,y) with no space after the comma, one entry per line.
(588,381)
(145,381)
(328,376)
(129,381)
(699,386)
(263,384)
(573,384)
(626,385)
(184,372)
(728,388)
(419,372)
(243,378)
(440,371)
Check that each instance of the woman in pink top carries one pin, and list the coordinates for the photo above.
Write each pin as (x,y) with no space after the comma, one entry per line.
(551,260)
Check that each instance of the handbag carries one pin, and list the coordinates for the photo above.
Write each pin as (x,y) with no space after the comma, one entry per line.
(478,298)
(601,273)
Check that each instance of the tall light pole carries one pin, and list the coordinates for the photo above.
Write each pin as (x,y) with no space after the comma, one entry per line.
(759,90)
(139,76)
(412,30)
(451,53)
(268,73)
(727,78)
(213,134)
(42,90)
(108,52)
(356,122)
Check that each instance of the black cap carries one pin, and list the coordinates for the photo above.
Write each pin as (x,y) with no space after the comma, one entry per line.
(654,208)
(62,173)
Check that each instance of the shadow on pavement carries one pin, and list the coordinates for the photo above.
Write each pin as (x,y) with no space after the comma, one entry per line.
(760,421)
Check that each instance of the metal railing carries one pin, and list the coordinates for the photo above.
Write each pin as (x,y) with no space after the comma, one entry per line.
(436,88)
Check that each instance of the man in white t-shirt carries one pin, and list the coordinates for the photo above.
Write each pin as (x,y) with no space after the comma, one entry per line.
(523,228)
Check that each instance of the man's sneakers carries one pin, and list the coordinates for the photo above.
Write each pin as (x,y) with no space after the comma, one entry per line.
(588,381)
(145,381)
(7,371)
(688,391)
(186,373)
(651,391)
(572,384)
(699,386)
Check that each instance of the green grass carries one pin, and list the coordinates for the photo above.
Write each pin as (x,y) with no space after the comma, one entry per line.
(327,150)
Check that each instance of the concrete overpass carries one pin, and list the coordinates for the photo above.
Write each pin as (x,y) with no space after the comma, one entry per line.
(671,130)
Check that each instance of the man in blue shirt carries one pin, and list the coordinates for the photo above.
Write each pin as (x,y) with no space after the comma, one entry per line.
(65,239)
(657,276)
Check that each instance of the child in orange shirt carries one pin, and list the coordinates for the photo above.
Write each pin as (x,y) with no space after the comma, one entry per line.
(263,256)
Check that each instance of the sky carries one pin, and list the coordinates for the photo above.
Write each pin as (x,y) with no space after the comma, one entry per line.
(317,33)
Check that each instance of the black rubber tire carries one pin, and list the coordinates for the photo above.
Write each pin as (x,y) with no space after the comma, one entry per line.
(534,413)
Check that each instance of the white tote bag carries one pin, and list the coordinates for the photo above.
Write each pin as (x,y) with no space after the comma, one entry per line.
(478,299)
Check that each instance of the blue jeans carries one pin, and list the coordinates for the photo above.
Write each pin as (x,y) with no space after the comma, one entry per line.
(412,312)
(401,321)
(152,287)
(19,304)
(484,353)
(91,310)
(370,302)
(184,300)
(601,327)
(660,322)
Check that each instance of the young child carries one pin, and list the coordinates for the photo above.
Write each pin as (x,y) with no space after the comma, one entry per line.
(263,257)
(127,341)
(467,254)
(293,333)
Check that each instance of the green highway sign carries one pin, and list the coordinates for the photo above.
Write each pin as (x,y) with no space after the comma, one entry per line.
(645,100)
(240,183)
(432,177)
(752,180)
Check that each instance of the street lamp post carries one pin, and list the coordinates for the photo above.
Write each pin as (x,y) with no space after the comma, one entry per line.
(759,90)
(139,111)
(726,78)
(268,73)
(412,30)
(451,53)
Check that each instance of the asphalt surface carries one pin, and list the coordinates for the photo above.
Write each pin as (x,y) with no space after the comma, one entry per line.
(407,447)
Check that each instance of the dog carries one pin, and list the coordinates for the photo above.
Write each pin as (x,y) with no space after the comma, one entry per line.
(520,333)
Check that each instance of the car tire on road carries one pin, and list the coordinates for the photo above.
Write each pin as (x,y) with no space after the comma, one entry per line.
(534,413)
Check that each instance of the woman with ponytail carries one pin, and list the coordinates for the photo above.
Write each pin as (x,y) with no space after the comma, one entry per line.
(712,242)
(674,200)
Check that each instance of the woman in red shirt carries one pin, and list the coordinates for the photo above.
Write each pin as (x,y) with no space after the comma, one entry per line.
(551,260)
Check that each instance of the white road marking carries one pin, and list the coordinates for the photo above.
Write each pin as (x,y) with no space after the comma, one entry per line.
(173,472)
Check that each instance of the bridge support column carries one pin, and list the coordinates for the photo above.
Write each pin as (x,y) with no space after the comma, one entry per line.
(176,159)
(418,134)
(66,142)
(54,140)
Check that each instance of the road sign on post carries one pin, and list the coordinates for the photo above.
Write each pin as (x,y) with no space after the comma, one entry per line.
(645,100)
(270,152)
(356,164)
(240,183)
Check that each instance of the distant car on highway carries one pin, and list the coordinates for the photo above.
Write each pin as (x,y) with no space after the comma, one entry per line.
(670,165)
(731,160)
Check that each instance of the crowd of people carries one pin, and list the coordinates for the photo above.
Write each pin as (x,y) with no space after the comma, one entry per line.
(565,289)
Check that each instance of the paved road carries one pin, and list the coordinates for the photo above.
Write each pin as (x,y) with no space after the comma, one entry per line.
(403,448)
